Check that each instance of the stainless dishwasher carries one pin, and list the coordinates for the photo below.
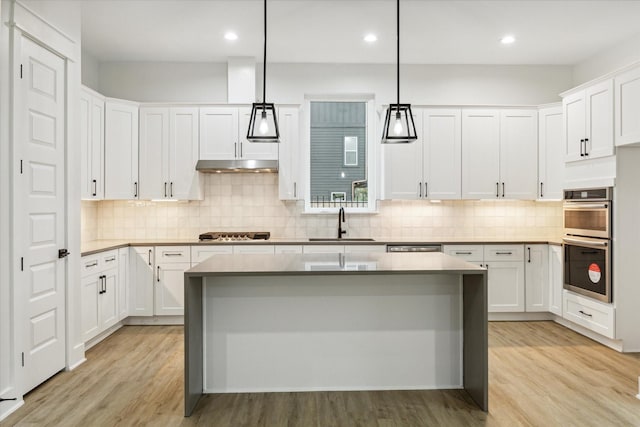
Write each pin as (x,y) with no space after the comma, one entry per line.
(414,248)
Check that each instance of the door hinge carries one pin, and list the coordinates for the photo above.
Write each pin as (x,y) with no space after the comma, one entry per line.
(21,263)
(20,70)
(23,359)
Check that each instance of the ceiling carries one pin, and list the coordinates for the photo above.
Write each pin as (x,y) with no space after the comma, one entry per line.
(332,31)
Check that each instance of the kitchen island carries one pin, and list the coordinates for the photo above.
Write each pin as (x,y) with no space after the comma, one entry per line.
(366,321)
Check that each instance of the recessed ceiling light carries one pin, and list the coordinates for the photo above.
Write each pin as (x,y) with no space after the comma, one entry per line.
(508,39)
(230,35)
(370,38)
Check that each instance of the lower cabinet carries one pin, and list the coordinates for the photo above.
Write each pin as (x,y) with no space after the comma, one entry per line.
(506,286)
(556,279)
(594,315)
(169,288)
(123,283)
(141,274)
(537,277)
(99,287)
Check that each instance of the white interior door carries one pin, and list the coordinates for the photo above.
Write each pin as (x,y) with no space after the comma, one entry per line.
(41,119)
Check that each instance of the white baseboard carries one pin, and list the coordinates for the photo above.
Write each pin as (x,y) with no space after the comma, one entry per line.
(78,363)
(104,334)
(8,407)
(520,317)
(154,320)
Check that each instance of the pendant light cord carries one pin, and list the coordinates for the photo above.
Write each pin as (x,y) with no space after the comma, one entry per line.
(264,65)
(398,46)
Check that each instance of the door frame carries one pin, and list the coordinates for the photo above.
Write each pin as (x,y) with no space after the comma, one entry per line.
(23,22)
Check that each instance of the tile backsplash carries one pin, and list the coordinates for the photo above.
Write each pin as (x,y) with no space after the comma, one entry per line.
(249,202)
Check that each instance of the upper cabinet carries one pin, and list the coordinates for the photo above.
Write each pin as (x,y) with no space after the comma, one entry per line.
(499,153)
(91,144)
(121,150)
(627,115)
(289,187)
(588,126)
(223,136)
(168,153)
(429,168)
(550,155)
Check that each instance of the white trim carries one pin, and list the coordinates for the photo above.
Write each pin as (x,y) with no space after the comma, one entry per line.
(122,101)
(610,75)
(101,336)
(78,363)
(11,409)
(153,320)
(92,92)
(521,317)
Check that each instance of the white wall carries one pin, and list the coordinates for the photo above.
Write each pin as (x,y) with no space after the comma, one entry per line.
(90,70)
(288,83)
(625,53)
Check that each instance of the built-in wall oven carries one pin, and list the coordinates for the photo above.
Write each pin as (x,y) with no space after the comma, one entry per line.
(587,242)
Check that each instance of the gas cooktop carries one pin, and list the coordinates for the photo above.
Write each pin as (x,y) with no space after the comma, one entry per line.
(234,236)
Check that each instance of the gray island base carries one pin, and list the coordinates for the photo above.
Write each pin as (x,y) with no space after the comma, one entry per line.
(364,321)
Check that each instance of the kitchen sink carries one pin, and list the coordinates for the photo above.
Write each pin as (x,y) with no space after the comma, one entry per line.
(344,239)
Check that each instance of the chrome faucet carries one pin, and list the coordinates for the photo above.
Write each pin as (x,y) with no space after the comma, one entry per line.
(341,219)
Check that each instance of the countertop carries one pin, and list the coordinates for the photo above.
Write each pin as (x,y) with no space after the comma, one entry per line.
(323,264)
(95,246)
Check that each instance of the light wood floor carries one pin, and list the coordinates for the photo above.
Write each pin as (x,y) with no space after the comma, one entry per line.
(541,374)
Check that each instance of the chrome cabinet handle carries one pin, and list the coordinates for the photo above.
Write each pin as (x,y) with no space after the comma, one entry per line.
(585,313)
(504,253)
(110,259)
(93,264)
(463,253)
(149,256)
(235,149)
(172,254)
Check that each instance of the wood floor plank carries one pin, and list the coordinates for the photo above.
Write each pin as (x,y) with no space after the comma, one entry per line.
(540,374)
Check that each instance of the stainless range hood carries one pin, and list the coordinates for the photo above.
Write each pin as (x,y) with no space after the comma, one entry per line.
(237,166)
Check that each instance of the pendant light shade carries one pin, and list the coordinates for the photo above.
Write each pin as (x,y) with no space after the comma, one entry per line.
(263,124)
(398,124)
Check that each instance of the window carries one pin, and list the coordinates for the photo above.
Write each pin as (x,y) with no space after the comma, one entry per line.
(340,151)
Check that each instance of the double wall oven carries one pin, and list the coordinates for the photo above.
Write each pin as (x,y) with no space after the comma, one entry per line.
(587,242)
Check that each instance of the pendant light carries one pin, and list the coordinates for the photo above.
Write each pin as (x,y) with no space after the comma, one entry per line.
(398,123)
(263,125)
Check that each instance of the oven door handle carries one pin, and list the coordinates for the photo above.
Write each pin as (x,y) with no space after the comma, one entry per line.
(586,243)
(571,205)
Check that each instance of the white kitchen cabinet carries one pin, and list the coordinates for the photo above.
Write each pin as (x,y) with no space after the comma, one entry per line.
(289,170)
(536,278)
(91,144)
(506,286)
(254,249)
(169,288)
(323,249)
(355,249)
(141,262)
(518,154)
(124,271)
(288,249)
(169,153)
(98,293)
(480,154)
(588,122)
(627,107)
(171,263)
(550,156)
(201,252)
(121,150)
(223,136)
(594,315)
(429,168)
(556,279)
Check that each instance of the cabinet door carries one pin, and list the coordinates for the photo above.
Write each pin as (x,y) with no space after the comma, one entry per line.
(355,249)
(323,249)
(253,150)
(555,279)
(123,283)
(403,177)
(289,154)
(141,261)
(169,288)
(599,120)
(288,249)
(469,253)
(218,133)
(200,253)
(506,286)
(550,157)
(442,156)
(86,190)
(480,154)
(89,288)
(519,154)
(254,249)
(627,107)
(108,300)
(91,146)
(184,181)
(154,153)
(574,110)
(536,278)
(121,151)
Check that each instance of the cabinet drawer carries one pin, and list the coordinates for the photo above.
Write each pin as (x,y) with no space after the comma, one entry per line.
(201,252)
(288,249)
(591,314)
(109,260)
(323,249)
(253,249)
(503,253)
(172,254)
(469,253)
(352,249)
(97,263)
